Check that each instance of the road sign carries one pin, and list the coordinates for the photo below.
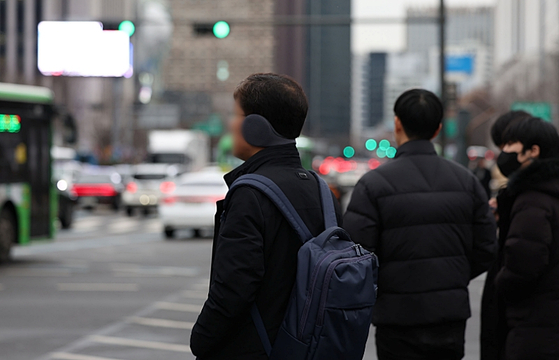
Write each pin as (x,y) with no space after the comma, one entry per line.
(460,64)
(537,109)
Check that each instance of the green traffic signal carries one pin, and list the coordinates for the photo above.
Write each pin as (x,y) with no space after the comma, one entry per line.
(128,27)
(371,144)
(349,152)
(384,145)
(221,29)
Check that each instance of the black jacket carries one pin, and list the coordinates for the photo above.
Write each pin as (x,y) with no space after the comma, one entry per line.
(255,258)
(494,328)
(528,280)
(429,222)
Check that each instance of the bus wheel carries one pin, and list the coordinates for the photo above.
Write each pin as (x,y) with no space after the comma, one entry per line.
(8,234)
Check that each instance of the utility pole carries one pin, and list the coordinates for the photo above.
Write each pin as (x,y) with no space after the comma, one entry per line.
(442,43)
(11,41)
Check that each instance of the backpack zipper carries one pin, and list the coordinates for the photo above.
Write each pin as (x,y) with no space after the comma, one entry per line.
(329,272)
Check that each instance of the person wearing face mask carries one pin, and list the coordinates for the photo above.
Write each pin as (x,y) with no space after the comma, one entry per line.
(493,320)
(528,278)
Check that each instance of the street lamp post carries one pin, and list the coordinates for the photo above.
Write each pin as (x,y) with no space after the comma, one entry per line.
(442,65)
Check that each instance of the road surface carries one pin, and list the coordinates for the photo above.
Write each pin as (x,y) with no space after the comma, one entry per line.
(112,289)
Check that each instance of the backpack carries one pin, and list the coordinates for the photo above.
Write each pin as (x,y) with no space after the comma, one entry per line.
(330,309)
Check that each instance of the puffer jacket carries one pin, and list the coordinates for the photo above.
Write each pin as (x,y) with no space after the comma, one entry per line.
(528,280)
(429,222)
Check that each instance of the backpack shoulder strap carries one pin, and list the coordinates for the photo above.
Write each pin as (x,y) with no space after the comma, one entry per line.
(274,193)
(330,219)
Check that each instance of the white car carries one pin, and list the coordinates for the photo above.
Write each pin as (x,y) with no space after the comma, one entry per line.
(192,204)
(146,185)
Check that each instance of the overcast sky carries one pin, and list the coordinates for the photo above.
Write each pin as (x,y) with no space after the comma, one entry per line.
(366,38)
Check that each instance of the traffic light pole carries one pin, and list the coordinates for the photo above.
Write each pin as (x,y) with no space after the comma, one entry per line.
(442,65)
(316,20)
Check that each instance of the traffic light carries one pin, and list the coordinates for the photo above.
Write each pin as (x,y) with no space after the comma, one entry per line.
(391,152)
(384,145)
(221,29)
(349,152)
(371,144)
(128,27)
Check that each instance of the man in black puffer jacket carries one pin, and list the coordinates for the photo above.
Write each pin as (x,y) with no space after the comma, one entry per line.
(429,222)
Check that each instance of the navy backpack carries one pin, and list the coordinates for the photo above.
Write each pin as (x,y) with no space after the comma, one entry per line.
(330,310)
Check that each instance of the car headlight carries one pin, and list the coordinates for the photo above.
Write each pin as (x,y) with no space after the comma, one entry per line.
(62,185)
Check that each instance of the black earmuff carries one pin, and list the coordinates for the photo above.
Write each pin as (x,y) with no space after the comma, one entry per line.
(258,131)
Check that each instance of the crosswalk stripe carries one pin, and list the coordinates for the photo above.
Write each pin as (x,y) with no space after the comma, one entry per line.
(96,287)
(161,323)
(68,356)
(140,343)
(39,273)
(179,307)
(194,294)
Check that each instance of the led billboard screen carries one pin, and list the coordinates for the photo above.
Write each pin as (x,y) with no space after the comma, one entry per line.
(83,48)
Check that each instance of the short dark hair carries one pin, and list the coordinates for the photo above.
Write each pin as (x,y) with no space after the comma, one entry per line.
(503,122)
(278,98)
(534,131)
(421,113)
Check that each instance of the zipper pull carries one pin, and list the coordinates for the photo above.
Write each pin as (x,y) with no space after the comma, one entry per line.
(361,252)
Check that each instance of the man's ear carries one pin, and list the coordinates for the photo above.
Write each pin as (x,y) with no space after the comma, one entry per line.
(536,151)
(398,127)
(438,131)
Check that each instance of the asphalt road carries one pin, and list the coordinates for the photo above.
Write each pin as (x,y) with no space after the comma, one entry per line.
(112,289)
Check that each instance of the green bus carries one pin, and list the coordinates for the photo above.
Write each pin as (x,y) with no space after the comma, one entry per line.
(28,199)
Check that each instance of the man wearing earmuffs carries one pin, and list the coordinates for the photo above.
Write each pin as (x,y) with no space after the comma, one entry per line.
(255,249)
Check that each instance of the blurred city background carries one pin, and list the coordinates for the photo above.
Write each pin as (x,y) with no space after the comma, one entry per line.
(113,139)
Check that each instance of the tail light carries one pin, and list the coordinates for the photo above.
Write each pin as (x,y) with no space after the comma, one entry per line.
(131,187)
(169,200)
(167,187)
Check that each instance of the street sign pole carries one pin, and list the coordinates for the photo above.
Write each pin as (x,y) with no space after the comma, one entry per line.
(442,43)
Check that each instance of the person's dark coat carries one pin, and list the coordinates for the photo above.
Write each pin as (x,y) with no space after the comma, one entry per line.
(255,258)
(429,222)
(528,280)
(494,328)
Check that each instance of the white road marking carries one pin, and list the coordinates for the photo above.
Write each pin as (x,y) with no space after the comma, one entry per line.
(161,323)
(178,307)
(194,294)
(39,273)
(202,286)
(96,287)
(68,356)
(140,343)
(84,244)
(123,269)
(123,226)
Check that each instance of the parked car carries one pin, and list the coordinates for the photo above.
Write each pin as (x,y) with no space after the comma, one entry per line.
(99,187)
(192,204)
(147,183)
